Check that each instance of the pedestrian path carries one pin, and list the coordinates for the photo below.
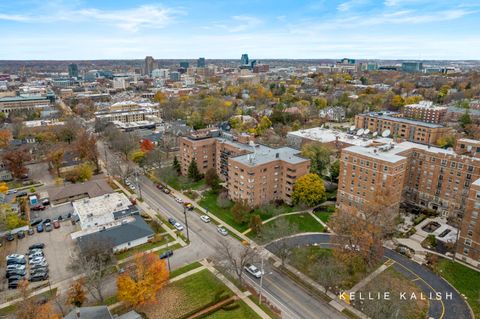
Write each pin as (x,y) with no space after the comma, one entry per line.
(148,251)
(372,276)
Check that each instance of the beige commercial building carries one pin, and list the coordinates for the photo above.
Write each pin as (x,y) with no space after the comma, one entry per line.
(255,173)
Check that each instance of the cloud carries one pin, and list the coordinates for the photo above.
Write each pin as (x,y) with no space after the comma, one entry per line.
(132,19)
(244,23)
(346,6)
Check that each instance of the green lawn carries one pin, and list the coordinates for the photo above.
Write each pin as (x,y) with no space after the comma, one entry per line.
(242,312)
(184,269)
(142,248)
(464,279)
(324,216)
(305,222)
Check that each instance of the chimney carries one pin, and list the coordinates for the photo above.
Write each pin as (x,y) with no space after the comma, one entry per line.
(277,155)
(78,312)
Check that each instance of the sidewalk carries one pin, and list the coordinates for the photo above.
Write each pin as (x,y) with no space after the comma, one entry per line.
(242,295)
(122,261)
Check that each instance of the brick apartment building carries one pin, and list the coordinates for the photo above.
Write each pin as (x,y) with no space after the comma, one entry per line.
(425,111)
(410,130)
(255,173)
(425,176)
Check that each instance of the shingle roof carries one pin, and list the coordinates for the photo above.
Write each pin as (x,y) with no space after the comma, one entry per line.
(100,312)
(91,189)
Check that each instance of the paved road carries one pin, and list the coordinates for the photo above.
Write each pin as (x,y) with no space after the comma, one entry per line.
(205,242)
(427,281)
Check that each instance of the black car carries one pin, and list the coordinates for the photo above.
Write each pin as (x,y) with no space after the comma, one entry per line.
(36,222)
(10,237)
(38,267)
(38,276)
(37,246)
(166,254)
(172,220)
(15,272)
(21,234)
(16,261)
(13,284)
(48,220)
(21,194)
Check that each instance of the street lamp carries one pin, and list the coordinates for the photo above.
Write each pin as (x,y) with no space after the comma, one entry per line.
(186,220)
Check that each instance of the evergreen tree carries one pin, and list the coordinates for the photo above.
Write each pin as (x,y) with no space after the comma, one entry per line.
(193,172)
(176,165)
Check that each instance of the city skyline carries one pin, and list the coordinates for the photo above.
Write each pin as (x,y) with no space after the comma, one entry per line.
(363,29)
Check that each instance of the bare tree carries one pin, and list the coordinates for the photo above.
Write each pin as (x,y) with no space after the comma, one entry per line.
(94,260)
(234,261)
(280,228)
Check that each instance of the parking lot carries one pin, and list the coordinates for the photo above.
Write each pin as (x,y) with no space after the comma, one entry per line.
(53,212)
(58,249)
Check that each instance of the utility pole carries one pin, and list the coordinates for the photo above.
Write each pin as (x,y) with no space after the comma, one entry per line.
(186,221)
(261,283)
(138,184)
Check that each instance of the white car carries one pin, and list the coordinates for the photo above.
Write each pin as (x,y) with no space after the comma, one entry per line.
(222,231)
(205,218)
(132,187)
(178,200)
(254,271)
(15,256)
(38,260)
(178,226)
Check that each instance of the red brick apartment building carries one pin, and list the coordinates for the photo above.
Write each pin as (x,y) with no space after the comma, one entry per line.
(425,111)
(255,173)
(410,130)
(430,177)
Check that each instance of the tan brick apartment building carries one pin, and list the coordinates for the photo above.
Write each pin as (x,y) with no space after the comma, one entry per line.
(429,177)
(255,173)
(410,130)
(425,111)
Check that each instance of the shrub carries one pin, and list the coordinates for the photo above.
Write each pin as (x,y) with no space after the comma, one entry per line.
(223,201)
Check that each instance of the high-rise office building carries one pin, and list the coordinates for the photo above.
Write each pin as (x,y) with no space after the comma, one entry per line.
(184,65)
(73,70)
(149,65)
(244,59)
(412,66)
(201,63)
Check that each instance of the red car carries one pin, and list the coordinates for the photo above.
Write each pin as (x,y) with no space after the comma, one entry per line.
(38,207)
(56,224)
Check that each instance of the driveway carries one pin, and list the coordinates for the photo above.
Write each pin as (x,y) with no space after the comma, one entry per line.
(426,280)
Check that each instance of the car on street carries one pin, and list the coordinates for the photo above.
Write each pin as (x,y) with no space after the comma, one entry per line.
(20,234)
(132,187)
(48,227)
(9,237)
(41,276)
(39,228)
(160,187)
(37,207)
(35,222)
(222,231)
(166,190)
(205,218)
(172,220)
(31,231)
(253,270)
(166,254)
(188,206)
(178,200)
(37,246)
(56,224)
(178,226)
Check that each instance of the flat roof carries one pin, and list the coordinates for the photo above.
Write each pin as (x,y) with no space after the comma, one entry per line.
(468,140)
(324,135)
(22,98)
(386,116)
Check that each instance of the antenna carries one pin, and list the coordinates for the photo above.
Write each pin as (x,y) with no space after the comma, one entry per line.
(366,131)
(360,132)
(386,133)
(352,128)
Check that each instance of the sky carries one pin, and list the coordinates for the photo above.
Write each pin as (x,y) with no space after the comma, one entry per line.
(294,29)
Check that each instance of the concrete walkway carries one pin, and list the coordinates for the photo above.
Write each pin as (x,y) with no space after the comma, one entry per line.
(372,276)
(242,295)
(122,261)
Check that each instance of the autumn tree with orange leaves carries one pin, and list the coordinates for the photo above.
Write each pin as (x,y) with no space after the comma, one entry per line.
(5,138)
(147,146)
(29,309)
(140,284)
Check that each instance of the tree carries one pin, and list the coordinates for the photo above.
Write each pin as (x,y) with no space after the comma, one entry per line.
(94,260)
(27,308)
(397,102)
(212,179)
(176,165)
(319,156)
(446,141)
(15,161)
(240,212)
(125,143)
(335,171)
(3,187)
(234,260)
(465,120)
(264,124)
(86,147)
(309,189)
(81,173)
(5,138)
(137,156)
(140,286)
(56,158)
(147,146)
(193,172)
(280,228)
(76,293)
(255,224)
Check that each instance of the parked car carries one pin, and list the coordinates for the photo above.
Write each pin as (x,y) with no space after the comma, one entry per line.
(56,224)
(160,187)
(132,187)
(166,190)
(172,220)
(31,231)
(178,226)
(9,237)
(38,276)
(15,272)
(13,284)
(205,218)
(39,228)
(39,265)
(35,254)
(21,234)
(222,231)
(37,260)
(35,222)
(16,261)
(21,194)
(253,270)
(178,200)
(46,202)
(38,270)
(15,266)
(188,206)
(37,246)
(37,207)
(11,191)
(48,220)
(166,254)
(48,227)
(15,256)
